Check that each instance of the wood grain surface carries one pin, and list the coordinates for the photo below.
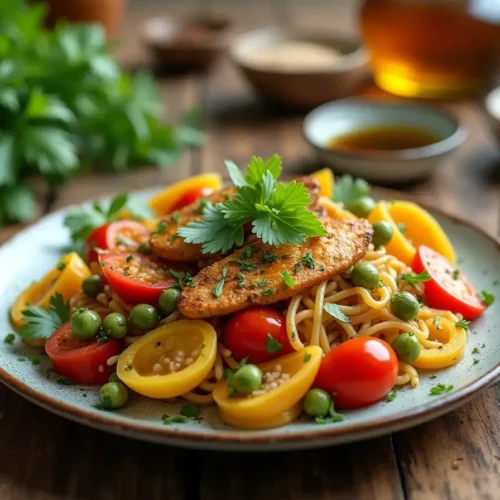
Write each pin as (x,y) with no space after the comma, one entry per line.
(457,456)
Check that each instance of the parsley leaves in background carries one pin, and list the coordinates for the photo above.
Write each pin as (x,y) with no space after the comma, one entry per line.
(348,189)
(278,212)
(65,106)
(40,323)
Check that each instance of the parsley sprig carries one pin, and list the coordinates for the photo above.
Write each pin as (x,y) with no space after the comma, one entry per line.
(413,279)
(278,212)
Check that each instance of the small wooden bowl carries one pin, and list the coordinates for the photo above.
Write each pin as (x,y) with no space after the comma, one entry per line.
(304,89)
(190,44)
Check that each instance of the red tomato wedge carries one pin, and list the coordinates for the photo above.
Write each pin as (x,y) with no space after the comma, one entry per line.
(448,288)
(191,196)
(81,361)
(120,236)
(259,333)
(138,278)
(359,372)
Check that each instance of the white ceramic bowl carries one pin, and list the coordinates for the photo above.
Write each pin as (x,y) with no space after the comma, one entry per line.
(338,118)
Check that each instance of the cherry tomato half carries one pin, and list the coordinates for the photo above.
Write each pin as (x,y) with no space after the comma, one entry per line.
(259,332)
(120,236)
(81,361)
(191,196)
(359,372)
(138,278)
(448,287)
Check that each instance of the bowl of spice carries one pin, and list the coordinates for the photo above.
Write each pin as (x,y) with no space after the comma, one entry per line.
(192,43)
(381,141)
(298,68)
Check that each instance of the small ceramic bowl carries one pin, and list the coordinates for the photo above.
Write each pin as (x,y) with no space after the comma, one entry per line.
(492,107)
(336,119)
(300,89)
(173,47)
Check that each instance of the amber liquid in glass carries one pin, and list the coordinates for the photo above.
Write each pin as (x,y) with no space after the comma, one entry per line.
(432,48)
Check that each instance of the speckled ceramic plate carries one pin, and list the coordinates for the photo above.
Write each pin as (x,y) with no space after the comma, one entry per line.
(31,253)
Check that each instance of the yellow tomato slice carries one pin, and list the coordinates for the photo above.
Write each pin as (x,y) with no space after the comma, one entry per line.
(326,181)
(302,367)
(280,419)
(454,341)
(163,202)
(420,229)
(194,338)
(66,279)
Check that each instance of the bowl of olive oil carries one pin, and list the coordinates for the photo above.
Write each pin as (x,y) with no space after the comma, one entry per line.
(380,141)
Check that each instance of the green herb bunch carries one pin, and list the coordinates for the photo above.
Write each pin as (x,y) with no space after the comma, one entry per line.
(65,106)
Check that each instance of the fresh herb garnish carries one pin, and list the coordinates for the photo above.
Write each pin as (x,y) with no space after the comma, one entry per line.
(456,274)
(129,257)
(334,311)
(60,266)
(35,361)
(64,381)
(296,267)
(245,267)
(144,248)
(175,218)
(475,350)
(413,279)
(272,345)
(289,281)
(487,297)
(278,211)
(269,258)
(40,323)
(176,419)
(190,410)
(307,357)
(437,323)
(247,252)
(440,389)
(391,396)
(241,280)
(463,324)
(267,291)
(432,377)
(204,203)
(9,339)
(220,285)
(348,189)
(160,228)
(476,361)
(259,284)
(308,260)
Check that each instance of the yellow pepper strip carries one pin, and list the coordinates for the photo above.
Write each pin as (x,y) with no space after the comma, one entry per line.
(454,341)
(266,409)
(334,210)
(326,181)
(66,278)
(420,228)
(142,366)
(163,202)
(277,421)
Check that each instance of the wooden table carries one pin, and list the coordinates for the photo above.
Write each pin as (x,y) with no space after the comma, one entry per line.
(454,457)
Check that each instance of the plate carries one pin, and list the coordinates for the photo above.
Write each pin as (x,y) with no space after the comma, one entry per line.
(32,252)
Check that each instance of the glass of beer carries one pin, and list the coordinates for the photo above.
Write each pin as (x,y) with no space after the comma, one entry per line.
(432,48)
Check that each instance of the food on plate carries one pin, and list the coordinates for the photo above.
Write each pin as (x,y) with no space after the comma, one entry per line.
(269,300)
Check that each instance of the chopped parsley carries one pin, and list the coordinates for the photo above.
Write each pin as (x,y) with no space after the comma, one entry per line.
(160,228)
(64,381)
(241,280)
(476,361)
(437,323)
(307,357)
(245,267)
(247,252)
(440,389)
(334,311)
(35,361)
(190,410)
(176,419)
(144,248)
(259,284)
(413,279)
(9,339)
(296,267)
(220,285)
(432,377)
(204,203)
(308,260)
(175,218)
(463,324)
(267,291)
(129,258)
(289,281)
(456,274)
(322,268)
(119,241)
(269,258)
(272,345)
(391,396)
(487,297)
(20,358)
(183,279)
(475,350)
(61,265)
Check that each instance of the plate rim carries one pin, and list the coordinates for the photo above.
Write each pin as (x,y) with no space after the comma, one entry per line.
(232,440)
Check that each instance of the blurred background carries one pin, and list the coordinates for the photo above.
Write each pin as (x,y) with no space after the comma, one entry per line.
(400,92)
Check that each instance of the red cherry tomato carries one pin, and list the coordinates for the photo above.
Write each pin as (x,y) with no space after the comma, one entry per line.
(81,361)
(360,372)
(191,196)
(120,236)
(448,288)
(138,278)
(248,333)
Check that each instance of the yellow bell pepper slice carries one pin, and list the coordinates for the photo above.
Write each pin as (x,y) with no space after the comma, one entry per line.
(326,182)
(302,367)
(420,229)
(454,341)
(142,366)
(65,278)
(280,419)
(163,202)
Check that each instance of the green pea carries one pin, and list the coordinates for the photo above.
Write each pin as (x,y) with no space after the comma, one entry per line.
(405,306)
(246,379)
(361,207)
(114,377)
(382,233)
(407,347)
(144,317)
(92,285)
(168,300)
(115,324)
(113,395)
(317,403)
(365,275)
(85,324)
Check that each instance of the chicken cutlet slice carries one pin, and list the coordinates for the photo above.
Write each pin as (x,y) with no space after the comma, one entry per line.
(254,274)
(168,245)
